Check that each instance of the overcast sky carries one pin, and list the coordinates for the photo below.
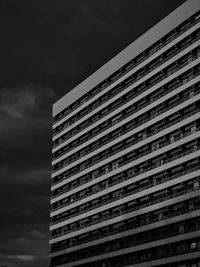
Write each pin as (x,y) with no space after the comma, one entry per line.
(47,47)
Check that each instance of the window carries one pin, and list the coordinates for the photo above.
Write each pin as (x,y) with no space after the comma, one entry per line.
(155,146)
(94,174)
(193,129)
(116,210)
(95,218)
(115,165)
(193,245)
(196,185)
(117,194)
(105,214)
(116,119)
(94,202)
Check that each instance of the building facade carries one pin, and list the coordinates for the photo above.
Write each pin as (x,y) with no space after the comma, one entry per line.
(126,155)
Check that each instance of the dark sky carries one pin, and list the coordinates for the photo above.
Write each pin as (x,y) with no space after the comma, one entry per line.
(47,47)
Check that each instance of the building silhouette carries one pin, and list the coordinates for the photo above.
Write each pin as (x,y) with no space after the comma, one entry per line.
(126,155)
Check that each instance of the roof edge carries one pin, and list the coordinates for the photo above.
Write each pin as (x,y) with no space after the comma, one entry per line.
(160,29)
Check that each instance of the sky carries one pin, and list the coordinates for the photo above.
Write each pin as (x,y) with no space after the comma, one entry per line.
(48,47)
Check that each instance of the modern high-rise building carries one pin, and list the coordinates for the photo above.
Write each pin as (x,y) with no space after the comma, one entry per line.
(126,155)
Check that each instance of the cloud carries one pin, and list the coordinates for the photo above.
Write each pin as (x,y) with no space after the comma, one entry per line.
(23,261)
(21,257)
(25,257)
(25,174)
(16,104)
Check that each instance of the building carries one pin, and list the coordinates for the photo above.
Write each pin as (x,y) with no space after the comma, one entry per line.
(126,155)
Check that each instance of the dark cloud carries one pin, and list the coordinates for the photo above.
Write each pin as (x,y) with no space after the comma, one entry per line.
(24,217)
(47,47)
(25,174)
(44,41)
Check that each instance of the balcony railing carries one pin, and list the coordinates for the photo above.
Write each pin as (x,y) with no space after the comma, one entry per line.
(136,225)
(112,199)
(133,65)
(123,212)
(190,77)
(77,117)
(87,164)
(195,111)
(162,76)
(136,157)
(161,94)
(181,100)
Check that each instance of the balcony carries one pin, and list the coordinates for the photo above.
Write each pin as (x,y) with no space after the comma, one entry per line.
(160,76)
(121,72)
(121,195)
(163,144)
(152,235)
(182,78)
(151,201)
(164,126)
(75,170)
(74,157)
